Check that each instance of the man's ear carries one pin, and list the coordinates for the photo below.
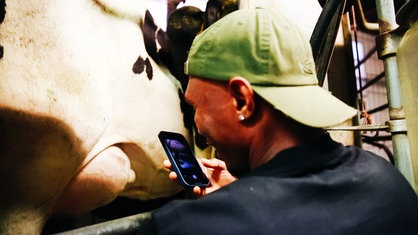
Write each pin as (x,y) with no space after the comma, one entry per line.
(243,94)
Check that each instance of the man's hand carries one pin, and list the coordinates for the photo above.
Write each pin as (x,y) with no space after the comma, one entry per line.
(214,169)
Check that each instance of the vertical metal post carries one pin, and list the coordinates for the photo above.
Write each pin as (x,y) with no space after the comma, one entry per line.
(387,43)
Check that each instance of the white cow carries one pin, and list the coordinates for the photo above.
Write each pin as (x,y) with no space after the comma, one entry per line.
(81,104)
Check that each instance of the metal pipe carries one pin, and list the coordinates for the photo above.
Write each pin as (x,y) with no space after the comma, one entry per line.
(387,43)
(372,28)
(135,224)
(359,128)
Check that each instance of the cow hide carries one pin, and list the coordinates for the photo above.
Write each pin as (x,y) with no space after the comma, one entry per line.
(81,104)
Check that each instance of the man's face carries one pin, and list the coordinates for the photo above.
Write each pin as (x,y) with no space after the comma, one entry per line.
(216,119)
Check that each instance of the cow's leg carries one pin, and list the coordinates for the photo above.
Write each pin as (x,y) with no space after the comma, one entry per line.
(97,184)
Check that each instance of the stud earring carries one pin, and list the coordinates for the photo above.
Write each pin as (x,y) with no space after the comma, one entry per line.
(241,117)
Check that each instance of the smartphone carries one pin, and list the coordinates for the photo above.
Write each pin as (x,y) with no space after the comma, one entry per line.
(183,160)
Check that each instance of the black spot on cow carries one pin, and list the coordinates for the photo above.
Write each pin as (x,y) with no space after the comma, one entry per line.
(142,65)
(148,69)
(185,23)
(216,9)
(170,48)
(148,29)
(182,27)
(2,10)
(2,15)
(157,43)
(213,12)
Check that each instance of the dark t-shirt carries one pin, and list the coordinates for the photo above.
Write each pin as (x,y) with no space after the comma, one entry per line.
(321,188)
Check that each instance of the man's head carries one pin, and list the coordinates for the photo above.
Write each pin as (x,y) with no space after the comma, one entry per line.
(249,72)
(269,51)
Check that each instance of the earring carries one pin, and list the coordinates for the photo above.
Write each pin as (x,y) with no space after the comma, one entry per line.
(241,117)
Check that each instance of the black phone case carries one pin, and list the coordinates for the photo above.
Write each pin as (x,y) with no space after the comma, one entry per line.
(183,161)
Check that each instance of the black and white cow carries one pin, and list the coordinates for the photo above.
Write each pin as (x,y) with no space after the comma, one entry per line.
(83,96)
(81,104)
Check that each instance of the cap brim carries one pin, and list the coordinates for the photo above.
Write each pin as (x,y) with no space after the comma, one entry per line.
(310,105)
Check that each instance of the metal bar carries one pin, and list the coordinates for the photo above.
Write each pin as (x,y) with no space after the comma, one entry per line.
(135,224)
(377,137)
(373,81)
(360,128)
(371,141)
(387,43)
(366,26)
(366,57)
(378,109)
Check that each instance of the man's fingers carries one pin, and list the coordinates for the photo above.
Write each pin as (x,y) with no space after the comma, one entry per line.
(198,191)
(172,176)
(214,163)
(167,164)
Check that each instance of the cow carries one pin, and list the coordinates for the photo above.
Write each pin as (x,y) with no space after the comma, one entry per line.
(81,105)
(82,99)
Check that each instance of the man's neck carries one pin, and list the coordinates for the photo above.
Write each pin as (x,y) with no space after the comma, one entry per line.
(276,135)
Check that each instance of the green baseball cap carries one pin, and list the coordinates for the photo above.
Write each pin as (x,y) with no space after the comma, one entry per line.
(267,49)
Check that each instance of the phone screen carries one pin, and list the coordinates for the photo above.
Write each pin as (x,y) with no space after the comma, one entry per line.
(183,160)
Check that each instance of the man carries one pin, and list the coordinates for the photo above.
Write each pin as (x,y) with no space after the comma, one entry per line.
(254,90)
